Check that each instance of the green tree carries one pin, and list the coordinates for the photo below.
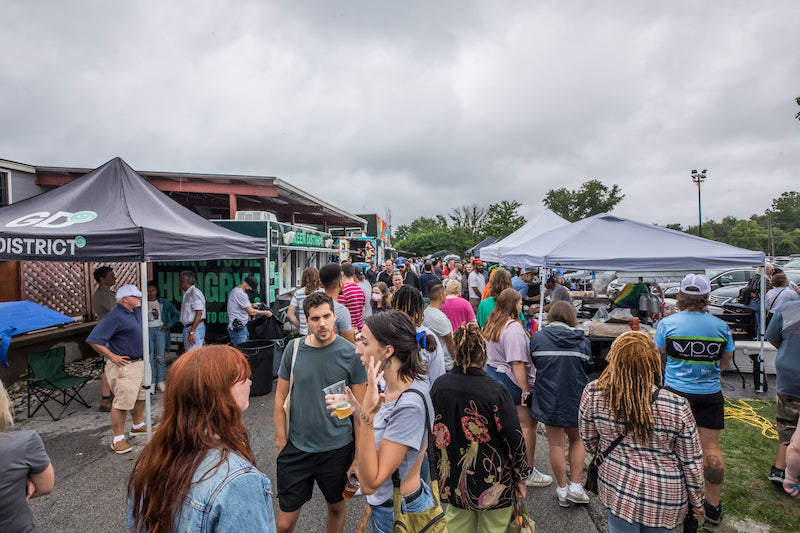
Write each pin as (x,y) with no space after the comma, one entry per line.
(471,218)
(590,199)
(420,225)
(748,234)
(502,219)
(675,226)
(786,211)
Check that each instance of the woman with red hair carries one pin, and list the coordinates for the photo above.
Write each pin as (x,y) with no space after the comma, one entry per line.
(198,472)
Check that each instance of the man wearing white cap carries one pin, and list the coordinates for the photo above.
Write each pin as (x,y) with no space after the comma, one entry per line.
(697,346)
(118,338)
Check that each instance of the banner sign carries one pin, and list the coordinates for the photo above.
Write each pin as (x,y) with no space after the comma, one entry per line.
(215,279)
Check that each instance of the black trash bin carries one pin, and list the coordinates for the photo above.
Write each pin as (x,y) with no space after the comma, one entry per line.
(259,354)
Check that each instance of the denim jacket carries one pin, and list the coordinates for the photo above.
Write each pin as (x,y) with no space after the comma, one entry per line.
(234,497)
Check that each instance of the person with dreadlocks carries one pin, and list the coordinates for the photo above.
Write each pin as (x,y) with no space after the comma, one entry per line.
(651,476)
(479,443)
(409,300)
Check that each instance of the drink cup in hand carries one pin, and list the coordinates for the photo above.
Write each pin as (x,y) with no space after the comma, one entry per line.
(337,397)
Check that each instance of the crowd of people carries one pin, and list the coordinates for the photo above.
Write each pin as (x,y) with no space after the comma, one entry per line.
(450,363)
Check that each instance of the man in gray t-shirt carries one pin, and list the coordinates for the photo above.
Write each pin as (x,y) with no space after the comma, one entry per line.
(318,447)
(556,292)
(240,310)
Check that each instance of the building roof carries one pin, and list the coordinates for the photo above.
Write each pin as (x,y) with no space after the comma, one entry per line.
(220,195)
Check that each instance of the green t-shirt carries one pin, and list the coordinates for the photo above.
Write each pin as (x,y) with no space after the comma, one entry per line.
(485,309)
(311,427)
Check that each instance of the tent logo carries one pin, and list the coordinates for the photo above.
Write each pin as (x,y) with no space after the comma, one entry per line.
(59,219)
(80,242)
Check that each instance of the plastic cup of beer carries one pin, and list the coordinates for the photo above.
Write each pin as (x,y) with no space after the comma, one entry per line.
(341,404)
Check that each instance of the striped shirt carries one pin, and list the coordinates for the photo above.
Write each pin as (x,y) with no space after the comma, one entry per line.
(352,297)
(650,482)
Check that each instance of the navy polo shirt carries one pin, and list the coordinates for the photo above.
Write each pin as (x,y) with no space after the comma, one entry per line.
(120,331)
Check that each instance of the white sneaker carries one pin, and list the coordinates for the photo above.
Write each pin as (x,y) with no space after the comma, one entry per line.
(538,479)
(161,386)
(562,498)
(577,495)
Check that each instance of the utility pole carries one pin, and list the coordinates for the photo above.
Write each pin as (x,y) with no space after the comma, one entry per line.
(698,178)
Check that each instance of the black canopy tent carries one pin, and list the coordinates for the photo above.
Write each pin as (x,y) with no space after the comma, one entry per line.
(113,214)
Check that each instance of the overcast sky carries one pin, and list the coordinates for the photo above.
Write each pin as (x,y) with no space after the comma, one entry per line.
(418,106)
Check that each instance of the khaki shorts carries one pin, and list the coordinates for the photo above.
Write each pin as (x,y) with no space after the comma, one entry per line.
(786,416)
(126,383)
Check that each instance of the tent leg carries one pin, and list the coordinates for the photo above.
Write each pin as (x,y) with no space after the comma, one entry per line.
(146,354)
(762,375)
(541,296)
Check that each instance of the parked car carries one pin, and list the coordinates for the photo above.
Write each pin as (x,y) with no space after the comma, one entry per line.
(734,277)
(794,264)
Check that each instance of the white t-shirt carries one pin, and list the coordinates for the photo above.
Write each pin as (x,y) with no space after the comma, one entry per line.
(154,314)
(434,360)
(193,300)
(437,323)
(476,280)
(237,303)
(367,288)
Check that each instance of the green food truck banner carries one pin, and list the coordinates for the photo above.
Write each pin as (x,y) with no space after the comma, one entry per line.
(215,279)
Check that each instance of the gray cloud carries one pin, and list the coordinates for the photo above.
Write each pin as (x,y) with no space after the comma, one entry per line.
(418,106)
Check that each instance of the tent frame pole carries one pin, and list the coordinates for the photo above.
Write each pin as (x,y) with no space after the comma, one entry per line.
(541,296)
(146,350)
(762,375)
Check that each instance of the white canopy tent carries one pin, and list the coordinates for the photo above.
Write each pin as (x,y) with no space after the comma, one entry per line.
(536,226)
(607,242)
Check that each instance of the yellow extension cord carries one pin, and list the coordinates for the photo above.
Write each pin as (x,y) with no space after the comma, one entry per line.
(744,412)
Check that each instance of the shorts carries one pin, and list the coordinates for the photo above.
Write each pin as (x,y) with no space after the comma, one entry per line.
(708,409)
(786,414)
(126,383)
(297,471)
(502,377)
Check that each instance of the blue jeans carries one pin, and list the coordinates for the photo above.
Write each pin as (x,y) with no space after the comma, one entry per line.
(502,377)
(238,337)
(199,336)
(158,342)
(381,519)
(618,525)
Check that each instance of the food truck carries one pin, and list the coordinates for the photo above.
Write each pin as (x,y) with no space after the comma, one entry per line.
(290,249)
(373,245)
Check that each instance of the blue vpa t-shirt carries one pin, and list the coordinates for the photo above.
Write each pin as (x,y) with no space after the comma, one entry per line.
(694,343)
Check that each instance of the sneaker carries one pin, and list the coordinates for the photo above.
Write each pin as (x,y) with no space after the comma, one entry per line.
(121,446)
(136,432)
(577,495)
(776,475)
(538,479)
(713,514)
(562,498)
(105,405)
(161,386)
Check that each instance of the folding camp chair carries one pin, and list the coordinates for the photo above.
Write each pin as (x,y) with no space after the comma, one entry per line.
(47,378)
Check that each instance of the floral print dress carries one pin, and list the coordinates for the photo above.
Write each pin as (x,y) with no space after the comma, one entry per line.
(479,443)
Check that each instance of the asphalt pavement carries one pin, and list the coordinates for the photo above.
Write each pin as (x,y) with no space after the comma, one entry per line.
(91,480)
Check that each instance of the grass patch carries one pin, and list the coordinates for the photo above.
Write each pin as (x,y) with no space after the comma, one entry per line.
(748,456)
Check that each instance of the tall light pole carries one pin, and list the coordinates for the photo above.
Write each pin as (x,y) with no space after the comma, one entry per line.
(698,178)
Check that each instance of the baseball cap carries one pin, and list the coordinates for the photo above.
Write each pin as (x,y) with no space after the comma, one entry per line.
(400,261)
(551,279)
(528,271)
(252,281)
(128,290)
(477,261)
(695,284)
